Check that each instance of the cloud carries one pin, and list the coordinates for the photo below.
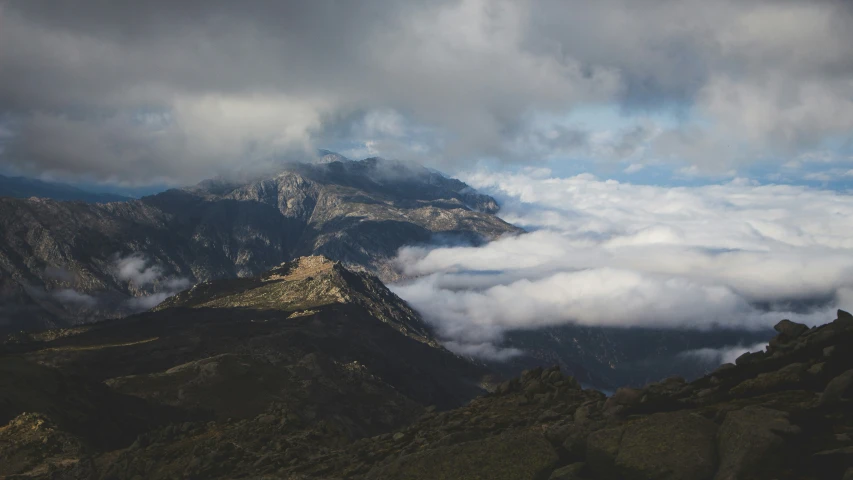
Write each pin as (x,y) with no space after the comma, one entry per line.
(134,268)
(151,93)
(148,280)
(605,253)
(73,297)
(718,356)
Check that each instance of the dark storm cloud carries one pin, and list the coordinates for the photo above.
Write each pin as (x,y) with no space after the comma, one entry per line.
(139,92)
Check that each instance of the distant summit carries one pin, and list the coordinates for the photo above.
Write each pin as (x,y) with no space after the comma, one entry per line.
(327,156)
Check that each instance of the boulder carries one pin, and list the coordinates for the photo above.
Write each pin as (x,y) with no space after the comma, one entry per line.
(788,376)
(569,472)
(528,375)
(791,329)
(750,442)
(515,456)
(836,389)
(845,318)
(624,396)
(749,357)
(665,446)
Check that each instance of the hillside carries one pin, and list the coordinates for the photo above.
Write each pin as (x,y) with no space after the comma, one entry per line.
(245,379)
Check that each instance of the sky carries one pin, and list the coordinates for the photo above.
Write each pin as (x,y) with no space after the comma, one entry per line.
(677,164)
(135,94)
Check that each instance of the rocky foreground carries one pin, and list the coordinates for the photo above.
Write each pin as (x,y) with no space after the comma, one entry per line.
(314,372)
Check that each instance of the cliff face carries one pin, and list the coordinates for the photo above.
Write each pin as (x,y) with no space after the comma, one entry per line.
(313,371)
(61,262)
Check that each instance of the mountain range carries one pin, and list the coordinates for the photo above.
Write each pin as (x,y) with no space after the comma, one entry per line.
(23,187)
(67,262)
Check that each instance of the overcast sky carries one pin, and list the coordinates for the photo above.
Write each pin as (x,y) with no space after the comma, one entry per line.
(135,93)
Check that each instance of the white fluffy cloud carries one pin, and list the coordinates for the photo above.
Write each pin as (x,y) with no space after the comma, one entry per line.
(149,280)
(724,354)
(606,253)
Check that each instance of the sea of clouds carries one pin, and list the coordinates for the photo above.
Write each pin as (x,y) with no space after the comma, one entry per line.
(601,252)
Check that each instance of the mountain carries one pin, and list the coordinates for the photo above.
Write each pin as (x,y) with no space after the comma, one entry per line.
(610,357)
(309,348)
(22,187)
(63,263)
(313,371)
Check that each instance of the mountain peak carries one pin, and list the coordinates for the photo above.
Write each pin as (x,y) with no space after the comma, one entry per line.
(304,286)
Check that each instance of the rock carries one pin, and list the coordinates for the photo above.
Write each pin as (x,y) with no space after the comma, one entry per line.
(602,448)
(836,459)
(554,376)
(671,446)
(848,475)
(506,387)
(528,375)
(398,436)
(502,457)
(569,472)
(266,419)
(836,389)
(791,329)
(534,387)
(749,357)
(845,318)
(749,442)
(829,351)
(624,396)
(787,377)
(817,369)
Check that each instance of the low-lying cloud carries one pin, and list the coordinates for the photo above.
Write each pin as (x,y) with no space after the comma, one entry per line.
(149,279)
(716,356)
(606,253)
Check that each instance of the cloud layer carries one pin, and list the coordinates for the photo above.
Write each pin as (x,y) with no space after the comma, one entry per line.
(140,92)
(606,253)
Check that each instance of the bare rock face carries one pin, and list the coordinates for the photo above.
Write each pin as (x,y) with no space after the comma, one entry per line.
(60,262)
(677,445)
(752,443)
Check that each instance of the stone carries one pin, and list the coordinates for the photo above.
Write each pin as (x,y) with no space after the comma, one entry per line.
(845,318)
(602,448)
(569,472)
(817,368)
(528,375)
(791,329)
(836,389)
(266,419)
(671,446)
(624,396)
(749,357)
(534,387)
(398,436)
(517,456)
(788,376)
(829,351)
(749,442)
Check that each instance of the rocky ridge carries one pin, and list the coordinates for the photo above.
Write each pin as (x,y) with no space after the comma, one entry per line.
(60,261)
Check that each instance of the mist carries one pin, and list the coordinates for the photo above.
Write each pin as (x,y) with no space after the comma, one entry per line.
(604,253)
